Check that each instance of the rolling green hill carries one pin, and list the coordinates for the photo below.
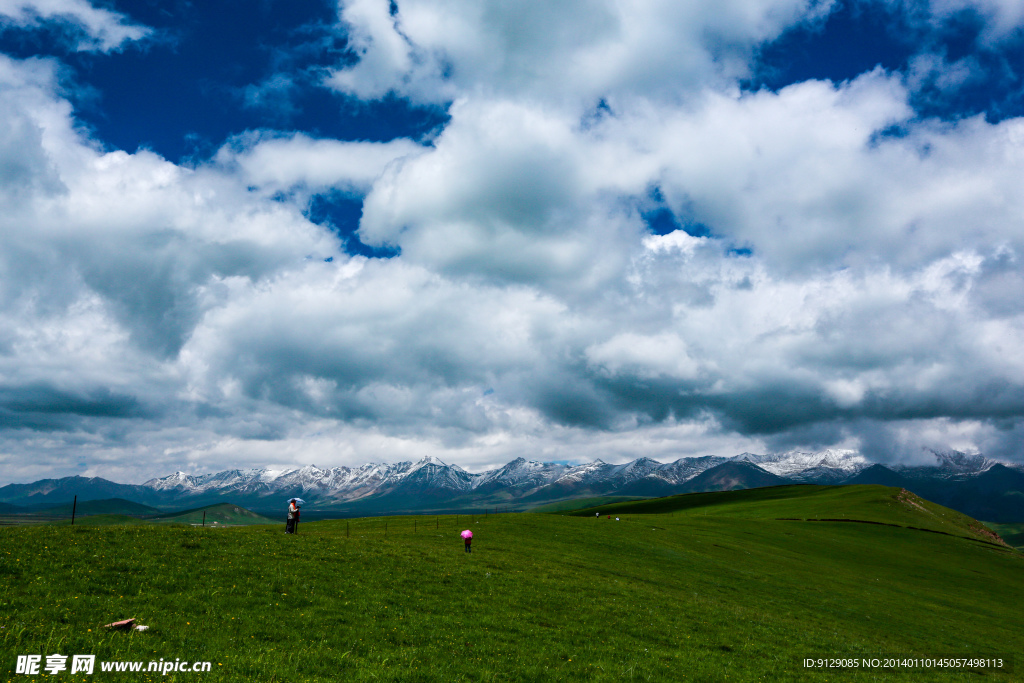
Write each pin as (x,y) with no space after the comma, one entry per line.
(221,514)
(582,503)
(871,504)
(678,595)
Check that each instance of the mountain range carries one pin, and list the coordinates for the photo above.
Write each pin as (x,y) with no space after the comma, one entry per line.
(973,484)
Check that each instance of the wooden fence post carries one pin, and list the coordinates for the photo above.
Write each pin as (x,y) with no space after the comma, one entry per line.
(74,506)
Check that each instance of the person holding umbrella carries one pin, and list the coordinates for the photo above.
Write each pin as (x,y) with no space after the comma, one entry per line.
(292,525)
(468,535)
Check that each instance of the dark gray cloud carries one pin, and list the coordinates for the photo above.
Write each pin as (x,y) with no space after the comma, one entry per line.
(24,168)
(48,409)
(997,287)
(48,399)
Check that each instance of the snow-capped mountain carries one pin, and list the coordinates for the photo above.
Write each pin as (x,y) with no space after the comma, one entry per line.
(952,465)
(431,475)
(520,474)
(179,481)
(829,463)
(519,477)
(250,480)
(308,480)
(522,477)
(581,473)
(686,469)
(638,469)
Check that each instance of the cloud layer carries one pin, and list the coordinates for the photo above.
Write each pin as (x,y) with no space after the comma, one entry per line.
(570,52)
(611,250)
(88,27)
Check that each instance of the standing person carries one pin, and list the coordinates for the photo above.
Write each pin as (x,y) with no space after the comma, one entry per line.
(293,516)
(468,535)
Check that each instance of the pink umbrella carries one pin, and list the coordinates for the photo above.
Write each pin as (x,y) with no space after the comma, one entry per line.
(467,534)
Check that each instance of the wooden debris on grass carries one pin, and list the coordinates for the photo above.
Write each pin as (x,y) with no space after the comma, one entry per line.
(126,625)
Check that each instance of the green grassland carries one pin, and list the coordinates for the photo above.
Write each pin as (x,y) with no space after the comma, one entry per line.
(665,595)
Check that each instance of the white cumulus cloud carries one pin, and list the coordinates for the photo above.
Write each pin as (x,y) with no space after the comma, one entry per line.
(94,28)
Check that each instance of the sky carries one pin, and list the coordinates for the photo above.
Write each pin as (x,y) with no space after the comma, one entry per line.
(278,233)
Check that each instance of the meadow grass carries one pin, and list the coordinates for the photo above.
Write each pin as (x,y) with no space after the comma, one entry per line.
(653,597)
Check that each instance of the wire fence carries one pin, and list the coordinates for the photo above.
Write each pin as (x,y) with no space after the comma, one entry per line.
(31,518)
(413,523)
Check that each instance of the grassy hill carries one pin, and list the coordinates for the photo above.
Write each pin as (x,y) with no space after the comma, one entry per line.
(864,503)
(672,595)
(221,514)
(581,503)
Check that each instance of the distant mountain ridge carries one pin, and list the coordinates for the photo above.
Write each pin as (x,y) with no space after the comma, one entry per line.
(57,491)
(521,483)
(519,478)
